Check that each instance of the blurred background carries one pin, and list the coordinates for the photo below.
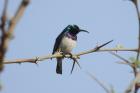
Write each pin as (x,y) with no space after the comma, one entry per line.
(37,30)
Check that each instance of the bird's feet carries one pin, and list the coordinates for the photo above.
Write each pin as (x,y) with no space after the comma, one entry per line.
(63,54)
(71,55)
(74,61)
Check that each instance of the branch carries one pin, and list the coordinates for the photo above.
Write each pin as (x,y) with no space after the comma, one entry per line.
(3,34)
(6,34)
(138,15)
(57,55)
(134,1)
(118,56)
(17,16)
(137,57)
(42,58)
(134,84)
(99,82)
(131,64)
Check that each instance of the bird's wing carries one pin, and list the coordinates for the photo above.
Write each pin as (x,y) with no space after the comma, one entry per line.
(59,38)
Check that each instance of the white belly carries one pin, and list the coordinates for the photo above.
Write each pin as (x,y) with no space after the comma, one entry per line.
(67,44)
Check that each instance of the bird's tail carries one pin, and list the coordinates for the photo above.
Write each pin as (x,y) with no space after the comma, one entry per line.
(59,66)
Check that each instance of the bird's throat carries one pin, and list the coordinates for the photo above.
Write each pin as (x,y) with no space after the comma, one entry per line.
(72,36)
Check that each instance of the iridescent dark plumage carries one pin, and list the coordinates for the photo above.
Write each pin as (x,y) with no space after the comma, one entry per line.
(65,42)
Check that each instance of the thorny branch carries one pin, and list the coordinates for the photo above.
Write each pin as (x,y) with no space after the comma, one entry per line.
(41,58)
(75,56)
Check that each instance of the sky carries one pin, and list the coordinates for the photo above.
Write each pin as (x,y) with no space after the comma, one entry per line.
(37,30)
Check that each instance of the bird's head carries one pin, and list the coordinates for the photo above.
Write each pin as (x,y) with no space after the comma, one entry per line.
(74,30)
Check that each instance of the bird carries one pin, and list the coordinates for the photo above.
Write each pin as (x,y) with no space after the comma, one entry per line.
(65,42)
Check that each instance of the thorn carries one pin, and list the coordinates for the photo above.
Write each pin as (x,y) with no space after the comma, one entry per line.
(36,60)
(72,67)
(98,47)
(75,61)
(78,64)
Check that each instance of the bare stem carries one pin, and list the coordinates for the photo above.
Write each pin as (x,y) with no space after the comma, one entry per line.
(41,58)
(98,81)
(137,56)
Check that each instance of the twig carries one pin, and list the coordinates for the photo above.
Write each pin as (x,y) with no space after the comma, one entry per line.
(131,64)
(95,49)
(134,84)
(138,15)
(17,16)
(15,20)
(118,56)
(139,29)
(57,55)
(99,82)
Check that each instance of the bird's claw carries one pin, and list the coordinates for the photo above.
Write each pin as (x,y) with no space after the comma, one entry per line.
(71,56)
(63,54)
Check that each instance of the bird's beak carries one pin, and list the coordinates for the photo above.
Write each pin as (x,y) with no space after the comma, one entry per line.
(81,30)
